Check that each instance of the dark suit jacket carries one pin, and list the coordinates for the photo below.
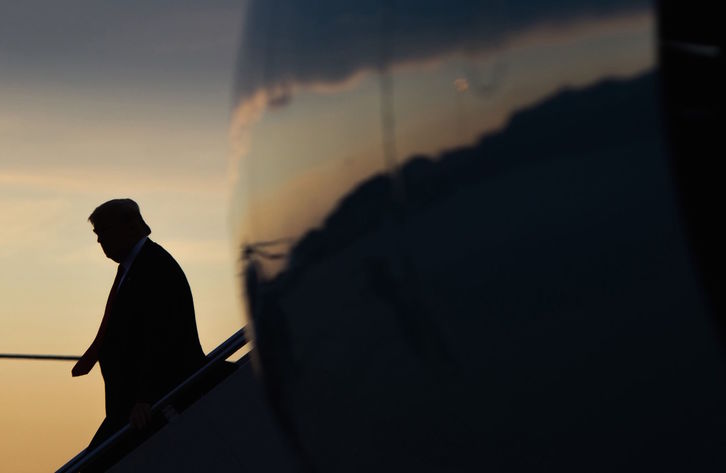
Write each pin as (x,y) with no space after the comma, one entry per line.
(151,343)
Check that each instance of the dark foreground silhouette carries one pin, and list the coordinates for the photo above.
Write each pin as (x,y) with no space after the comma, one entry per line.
(529,304)
(147,342)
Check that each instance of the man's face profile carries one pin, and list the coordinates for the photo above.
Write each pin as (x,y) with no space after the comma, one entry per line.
(119,226)
(108,240)
(114,238)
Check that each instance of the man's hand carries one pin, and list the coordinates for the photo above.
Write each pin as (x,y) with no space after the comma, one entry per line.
(84,365)
(140,415)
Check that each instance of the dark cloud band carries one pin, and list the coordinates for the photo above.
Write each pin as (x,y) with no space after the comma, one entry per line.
(288,42)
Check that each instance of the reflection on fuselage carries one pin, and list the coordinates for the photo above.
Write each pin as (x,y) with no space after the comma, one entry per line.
(323,140)
(515,293)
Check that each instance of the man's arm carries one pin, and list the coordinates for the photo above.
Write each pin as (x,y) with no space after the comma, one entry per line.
(85,363)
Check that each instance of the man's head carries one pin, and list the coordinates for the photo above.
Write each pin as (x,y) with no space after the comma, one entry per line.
(119,225)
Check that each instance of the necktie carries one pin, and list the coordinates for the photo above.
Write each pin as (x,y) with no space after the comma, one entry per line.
(95,347)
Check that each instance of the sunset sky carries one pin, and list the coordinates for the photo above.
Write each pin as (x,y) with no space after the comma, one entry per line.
(100,100)
(154,100)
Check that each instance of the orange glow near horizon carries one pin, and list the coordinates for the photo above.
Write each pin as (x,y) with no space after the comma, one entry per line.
(57,163)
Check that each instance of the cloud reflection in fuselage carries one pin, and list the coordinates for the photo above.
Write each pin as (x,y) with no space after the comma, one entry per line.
(327,135)
(286,43)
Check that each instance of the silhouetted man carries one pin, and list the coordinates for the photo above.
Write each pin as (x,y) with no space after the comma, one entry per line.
(147,341)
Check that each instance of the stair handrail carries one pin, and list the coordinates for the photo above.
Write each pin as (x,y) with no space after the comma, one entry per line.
(213,359)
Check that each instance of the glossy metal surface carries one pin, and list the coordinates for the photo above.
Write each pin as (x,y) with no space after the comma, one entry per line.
(462,245)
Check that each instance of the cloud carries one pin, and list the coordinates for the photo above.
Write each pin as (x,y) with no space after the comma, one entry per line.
(25,222)
(288,44)
(102,179)
(94,43)
(73,146)
(45,28)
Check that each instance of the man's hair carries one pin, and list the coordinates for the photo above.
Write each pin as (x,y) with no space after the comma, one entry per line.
(119,211)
